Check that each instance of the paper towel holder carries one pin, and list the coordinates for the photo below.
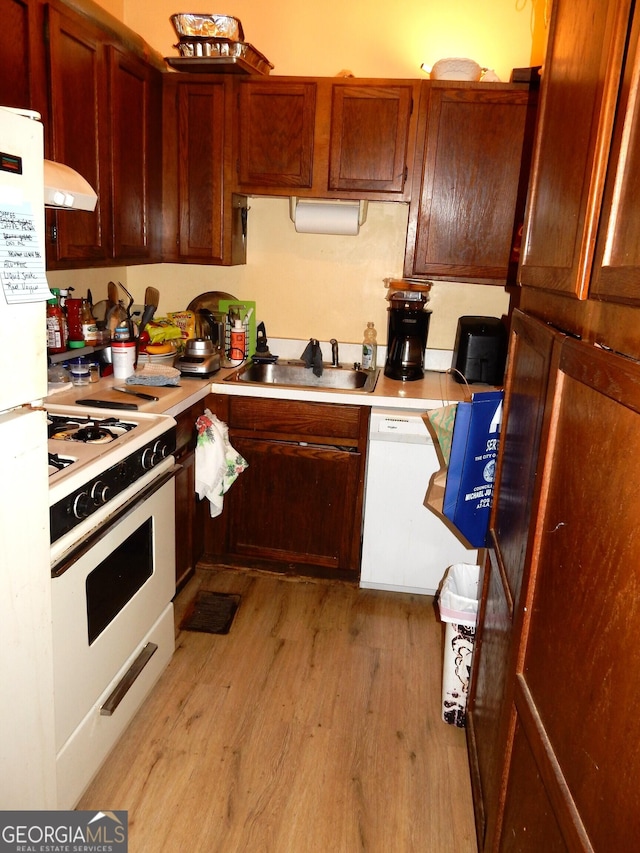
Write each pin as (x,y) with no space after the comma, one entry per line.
(363,207)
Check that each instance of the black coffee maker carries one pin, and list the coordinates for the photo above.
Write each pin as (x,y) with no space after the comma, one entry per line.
(407,335)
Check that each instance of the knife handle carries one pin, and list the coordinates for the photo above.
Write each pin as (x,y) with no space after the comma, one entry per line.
(106,404)
(136,393)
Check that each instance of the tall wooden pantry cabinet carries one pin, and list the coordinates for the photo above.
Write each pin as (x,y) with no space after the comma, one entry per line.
(553,731)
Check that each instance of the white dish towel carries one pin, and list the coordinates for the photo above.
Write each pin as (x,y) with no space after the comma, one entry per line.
(217,463)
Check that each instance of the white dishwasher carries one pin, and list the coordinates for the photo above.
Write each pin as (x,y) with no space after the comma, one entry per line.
(405,546)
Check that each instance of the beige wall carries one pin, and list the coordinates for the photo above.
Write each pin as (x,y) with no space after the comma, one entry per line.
(114,7)
(323,286)
(375,38)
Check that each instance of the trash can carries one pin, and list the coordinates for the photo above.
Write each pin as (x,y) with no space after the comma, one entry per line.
(458,604)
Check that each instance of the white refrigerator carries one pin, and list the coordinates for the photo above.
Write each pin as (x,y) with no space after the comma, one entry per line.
(27,746)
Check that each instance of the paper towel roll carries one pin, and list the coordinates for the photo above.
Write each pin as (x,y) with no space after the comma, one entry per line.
(327,218)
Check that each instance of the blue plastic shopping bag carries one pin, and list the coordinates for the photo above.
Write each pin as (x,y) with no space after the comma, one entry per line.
(468,491)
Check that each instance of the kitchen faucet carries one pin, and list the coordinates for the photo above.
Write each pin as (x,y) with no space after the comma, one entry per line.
(335,362)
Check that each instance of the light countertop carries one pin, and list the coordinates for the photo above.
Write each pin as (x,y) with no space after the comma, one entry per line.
(435,389)
(172,399)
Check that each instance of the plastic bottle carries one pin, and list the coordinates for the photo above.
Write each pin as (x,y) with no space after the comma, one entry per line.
(56,338)
(237,343)
(369,347)
(89,327)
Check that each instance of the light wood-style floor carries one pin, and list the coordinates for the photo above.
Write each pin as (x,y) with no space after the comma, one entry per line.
(312,727)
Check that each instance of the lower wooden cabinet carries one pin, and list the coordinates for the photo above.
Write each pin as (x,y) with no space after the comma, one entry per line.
(553,730)
(490,717)
(297,508)
(189,510)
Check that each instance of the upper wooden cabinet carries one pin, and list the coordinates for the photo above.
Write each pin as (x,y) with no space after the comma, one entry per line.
(22,76)
(577,108)
(204,222)
(369,137)
(105,122)
(276,134)
(616,274)
(326,138)
(581,258)
(469,183)
(136,157)
(79,136)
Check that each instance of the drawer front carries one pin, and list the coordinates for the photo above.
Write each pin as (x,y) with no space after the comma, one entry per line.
(293,418)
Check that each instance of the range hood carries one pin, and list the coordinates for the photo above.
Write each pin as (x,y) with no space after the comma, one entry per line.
(65,189)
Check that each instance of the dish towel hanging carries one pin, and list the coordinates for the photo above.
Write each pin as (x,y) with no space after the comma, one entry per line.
(217,463)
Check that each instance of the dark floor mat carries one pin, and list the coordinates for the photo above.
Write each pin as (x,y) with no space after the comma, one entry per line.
(211,612)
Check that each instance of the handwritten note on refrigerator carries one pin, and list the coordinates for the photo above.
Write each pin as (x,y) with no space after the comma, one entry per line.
(22,268)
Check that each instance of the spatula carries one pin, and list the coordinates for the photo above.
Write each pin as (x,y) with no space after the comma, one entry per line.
(151,299)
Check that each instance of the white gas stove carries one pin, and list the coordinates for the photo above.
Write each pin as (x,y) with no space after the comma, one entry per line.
(112,519)
(97,459)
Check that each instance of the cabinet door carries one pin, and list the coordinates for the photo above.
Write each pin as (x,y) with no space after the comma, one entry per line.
(276,134)
(203,222)
(616,275)
(21,55)
(80,135)
(578,102)
(369,137)
(463,219)
(576,689)
(189,521)
(296,504)
(185,519)
(534,347)
(136,151)
(201,170)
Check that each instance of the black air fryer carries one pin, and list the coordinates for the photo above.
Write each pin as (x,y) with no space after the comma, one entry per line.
(480,352)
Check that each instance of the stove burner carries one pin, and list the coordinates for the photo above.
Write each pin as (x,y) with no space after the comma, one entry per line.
(58,463)
(87,430)
(92,434)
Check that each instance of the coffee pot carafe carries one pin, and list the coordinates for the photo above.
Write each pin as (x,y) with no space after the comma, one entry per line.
(407,336)
(210,326)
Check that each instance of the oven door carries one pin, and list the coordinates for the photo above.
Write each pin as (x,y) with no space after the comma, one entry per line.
(107,599)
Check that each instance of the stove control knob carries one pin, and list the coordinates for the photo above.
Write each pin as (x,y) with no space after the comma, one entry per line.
(100,493)
(82,505)
(149,459)
(161,449)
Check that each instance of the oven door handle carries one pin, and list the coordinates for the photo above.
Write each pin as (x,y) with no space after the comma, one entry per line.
(128,680)
(122,512)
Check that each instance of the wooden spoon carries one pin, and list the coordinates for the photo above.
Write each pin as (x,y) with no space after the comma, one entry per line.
(152,296)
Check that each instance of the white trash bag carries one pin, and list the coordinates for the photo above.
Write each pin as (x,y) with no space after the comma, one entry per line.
(458,604)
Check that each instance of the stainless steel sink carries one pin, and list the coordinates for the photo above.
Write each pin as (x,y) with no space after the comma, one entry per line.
(294,373)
